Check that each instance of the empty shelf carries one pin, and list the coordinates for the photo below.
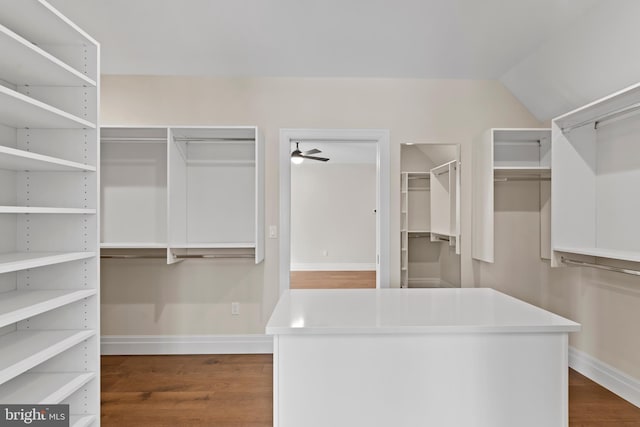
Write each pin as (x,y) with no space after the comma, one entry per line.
(230,245)
(20,111)
(506,171)
(43,388)
(132,245)
(17,261)
(81,420)
(22,350)
(43,210)
(19,305)
(19,160)
(23,63)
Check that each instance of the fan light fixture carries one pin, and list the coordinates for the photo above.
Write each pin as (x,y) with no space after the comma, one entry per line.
(298,156)
(296,160)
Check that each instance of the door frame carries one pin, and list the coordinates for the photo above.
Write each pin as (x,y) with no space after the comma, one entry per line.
(383,196)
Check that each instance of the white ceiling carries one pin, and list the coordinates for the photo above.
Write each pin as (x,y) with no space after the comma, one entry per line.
(329,38)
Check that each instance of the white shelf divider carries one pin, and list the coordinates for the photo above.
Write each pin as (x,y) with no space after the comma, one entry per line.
(19,160)
(43,210)
(19,305)
(25,349)
(20,111)
(24,63)
(16,261)
(43,388)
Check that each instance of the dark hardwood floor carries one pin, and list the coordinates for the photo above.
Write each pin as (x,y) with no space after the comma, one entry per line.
(236,391)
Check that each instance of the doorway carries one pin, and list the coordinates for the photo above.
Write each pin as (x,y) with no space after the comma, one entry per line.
(309,139)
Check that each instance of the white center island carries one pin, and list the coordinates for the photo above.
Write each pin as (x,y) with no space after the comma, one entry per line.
(470,357)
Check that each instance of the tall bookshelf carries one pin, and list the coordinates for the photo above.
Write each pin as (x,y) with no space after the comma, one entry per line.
(49,208)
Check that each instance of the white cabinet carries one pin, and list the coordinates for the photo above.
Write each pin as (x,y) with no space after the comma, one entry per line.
(196,191)
(504,155)
(49,282)
(445,203)
(596,175)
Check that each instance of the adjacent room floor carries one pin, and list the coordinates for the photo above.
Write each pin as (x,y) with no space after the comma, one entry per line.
(236,391)
(332,279)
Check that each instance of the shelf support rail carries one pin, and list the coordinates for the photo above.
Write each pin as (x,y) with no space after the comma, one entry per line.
(569,261)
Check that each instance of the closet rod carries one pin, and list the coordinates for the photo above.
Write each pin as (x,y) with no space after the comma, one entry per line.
(207,256)
(606,118)
(419,177)
(600,266)
(442,173)
(443,239)
(212,139)
(521,178)
(137,139)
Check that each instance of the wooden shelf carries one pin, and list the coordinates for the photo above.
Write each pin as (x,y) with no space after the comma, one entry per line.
(16,261)
(82,420)
(602,253)
(19,305)
(43,388)
(20,111)
(22,350)
(23,63)
(43,210)
(19,160)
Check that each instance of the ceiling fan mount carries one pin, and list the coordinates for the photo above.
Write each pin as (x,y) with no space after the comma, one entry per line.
(298,156)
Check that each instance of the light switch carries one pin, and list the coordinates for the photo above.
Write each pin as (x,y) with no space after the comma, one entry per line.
(273,231)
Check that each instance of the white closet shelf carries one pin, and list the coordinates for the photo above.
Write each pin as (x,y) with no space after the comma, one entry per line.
(19,160)
(205,162)
(23,63)
(81,420)
(521,171)
(43,388)
(132,245)
(20,111)
(40,23)
(16,261)
(43,210)
(24,349)
(19,305)
(602,253)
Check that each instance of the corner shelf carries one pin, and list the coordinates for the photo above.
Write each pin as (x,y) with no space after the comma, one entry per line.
(19,160)
(43,388)
(23,350)
(25,63)
(20,111)
(19,305)
(16,261)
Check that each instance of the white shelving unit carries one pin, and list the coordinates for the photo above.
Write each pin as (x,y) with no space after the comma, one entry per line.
(190,190)
(445,203)
(404,230)
(49,271)
(503,155)
(596,174)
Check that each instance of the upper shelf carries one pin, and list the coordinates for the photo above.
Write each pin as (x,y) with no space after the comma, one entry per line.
(19,305)
(20,111)
(602,253)
(523,171)
(40,23)
(23,63)
(19,160)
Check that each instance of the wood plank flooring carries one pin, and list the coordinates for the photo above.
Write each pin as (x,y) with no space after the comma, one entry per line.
(332,279)
(237,391)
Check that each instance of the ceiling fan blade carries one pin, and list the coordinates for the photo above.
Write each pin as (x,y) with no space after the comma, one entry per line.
(322,159)
(312,151)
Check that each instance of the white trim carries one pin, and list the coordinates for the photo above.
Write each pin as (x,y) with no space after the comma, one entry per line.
(606,375)
(353,266)
(383,219)
(186,344)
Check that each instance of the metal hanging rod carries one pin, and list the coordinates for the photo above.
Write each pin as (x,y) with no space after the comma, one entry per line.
(521,178)
(206,256)
(518,143)
(600,266)
(442,173)
(135,139)
(426,176)
(607,118)
(443,239)
(212,139)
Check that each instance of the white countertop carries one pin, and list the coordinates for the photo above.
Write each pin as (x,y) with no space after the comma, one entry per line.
(406,311)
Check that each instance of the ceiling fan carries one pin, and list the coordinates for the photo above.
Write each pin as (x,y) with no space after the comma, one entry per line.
(298,156)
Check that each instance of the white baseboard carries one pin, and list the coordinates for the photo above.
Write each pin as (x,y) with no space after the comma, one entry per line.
(186,344)
(606,375)
(334,267)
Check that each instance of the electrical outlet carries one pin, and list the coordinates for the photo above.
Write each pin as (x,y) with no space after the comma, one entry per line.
(235,308)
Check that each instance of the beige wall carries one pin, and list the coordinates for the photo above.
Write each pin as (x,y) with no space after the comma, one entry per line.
(194,296)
